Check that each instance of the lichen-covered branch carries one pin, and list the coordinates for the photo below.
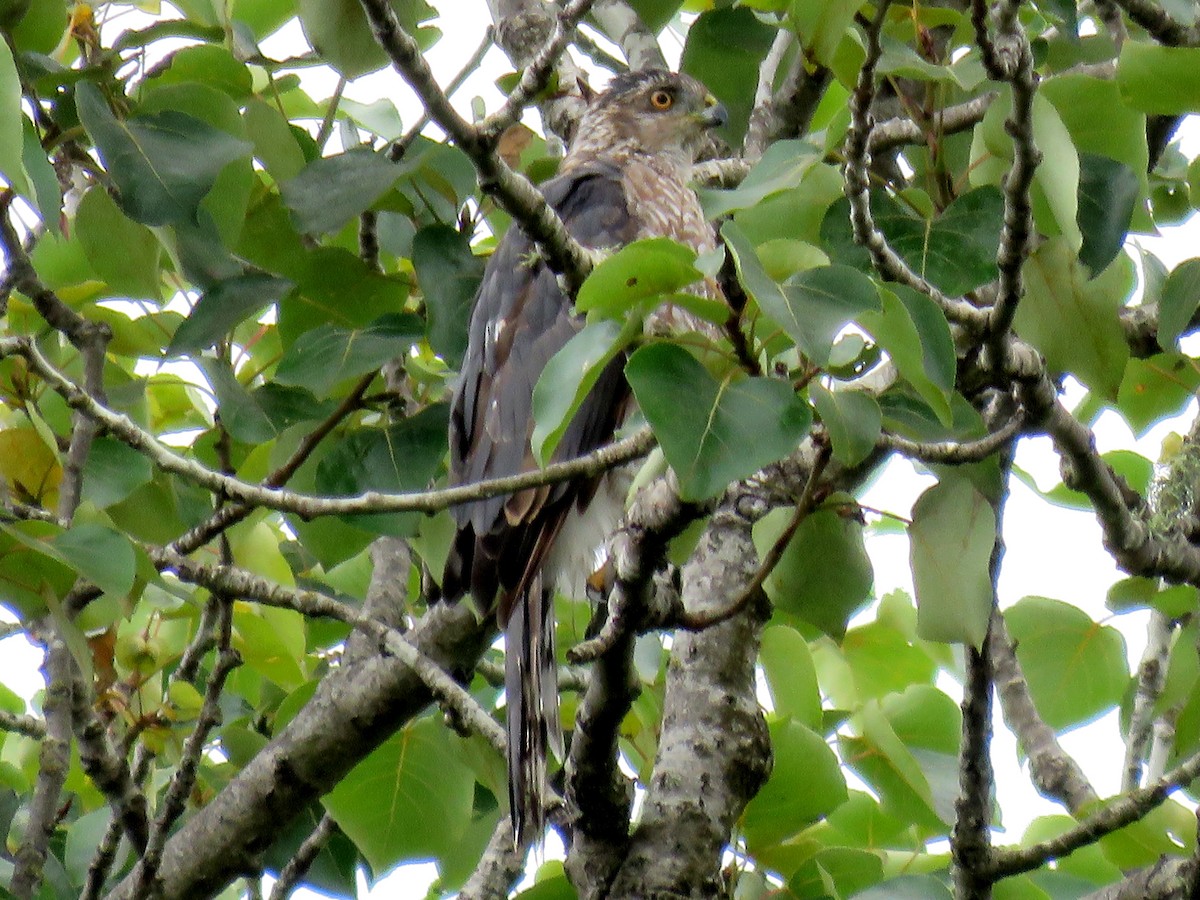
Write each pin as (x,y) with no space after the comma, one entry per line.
(1151,676)
(1055,773)
(622,25)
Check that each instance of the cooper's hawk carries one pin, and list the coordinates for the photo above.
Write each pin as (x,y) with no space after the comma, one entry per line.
(625,177)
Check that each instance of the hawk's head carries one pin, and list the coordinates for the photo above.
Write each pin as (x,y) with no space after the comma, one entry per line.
(650,112)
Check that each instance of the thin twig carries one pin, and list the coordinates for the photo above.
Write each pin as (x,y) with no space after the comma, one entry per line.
(309,849)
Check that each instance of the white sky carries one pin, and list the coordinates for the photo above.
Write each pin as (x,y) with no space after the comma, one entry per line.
(1051,551)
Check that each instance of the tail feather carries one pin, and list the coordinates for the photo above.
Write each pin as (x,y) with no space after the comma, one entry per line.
(531,687)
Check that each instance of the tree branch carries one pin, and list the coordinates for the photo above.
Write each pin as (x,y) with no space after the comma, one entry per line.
(520,199)
(1122,811)
(857,189)
(622,25)
(1055,773)
(304,505)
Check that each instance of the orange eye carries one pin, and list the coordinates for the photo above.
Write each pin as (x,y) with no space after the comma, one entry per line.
(662,100)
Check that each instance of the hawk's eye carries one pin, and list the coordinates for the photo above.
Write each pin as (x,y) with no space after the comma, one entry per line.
(661,99)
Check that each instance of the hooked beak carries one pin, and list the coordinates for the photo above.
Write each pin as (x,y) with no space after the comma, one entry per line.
(715,114)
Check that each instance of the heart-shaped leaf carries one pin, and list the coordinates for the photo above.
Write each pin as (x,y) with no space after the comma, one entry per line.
(711,432)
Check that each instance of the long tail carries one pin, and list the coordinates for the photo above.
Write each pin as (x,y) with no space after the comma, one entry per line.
(531,687)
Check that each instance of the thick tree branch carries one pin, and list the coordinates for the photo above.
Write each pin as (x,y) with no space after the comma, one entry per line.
(354,709)
(599,796)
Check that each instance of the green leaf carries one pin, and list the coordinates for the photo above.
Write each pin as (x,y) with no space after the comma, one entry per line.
(43,181)
(1108,191)
(1159,80)
(812,306)
(1099,122)
(791,676)
(1055,192)
(821,24)
(325,356)
(782,166)
(224,306)
(338,30)
(917,337)
(1174,602)
(1076,668)
(260,415)
(724,49)
(271,641)
(835,872)
(448,273)
(953,530)
(713,433)
(1156,388)
(113,471)
(885,660)
(643,270)
(1072,323)
(275,145)
(329,192)
(29,569)
(806,783)
(1178,303)
(907,887)
(163,163)
(955,251)
(101,555)
(825,575)
(885,763)
(419,773)
(402,457)
(853,419)
(568,377)
(12,140)
(124,253)
(210,65)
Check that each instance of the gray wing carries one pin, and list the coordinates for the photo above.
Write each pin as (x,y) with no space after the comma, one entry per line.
(520,320)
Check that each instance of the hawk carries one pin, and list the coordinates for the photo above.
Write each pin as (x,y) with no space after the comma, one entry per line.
(625,177)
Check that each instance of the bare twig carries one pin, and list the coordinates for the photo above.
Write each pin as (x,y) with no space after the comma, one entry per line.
(1009,58)
(1055,773)
(54,761)
(857,189)
(520,199)
(237,582)
(1162,27)
(1151,676)
(537,73)
(954,452)
(1120,812)
(306,853)
(30,726)
(123,428)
